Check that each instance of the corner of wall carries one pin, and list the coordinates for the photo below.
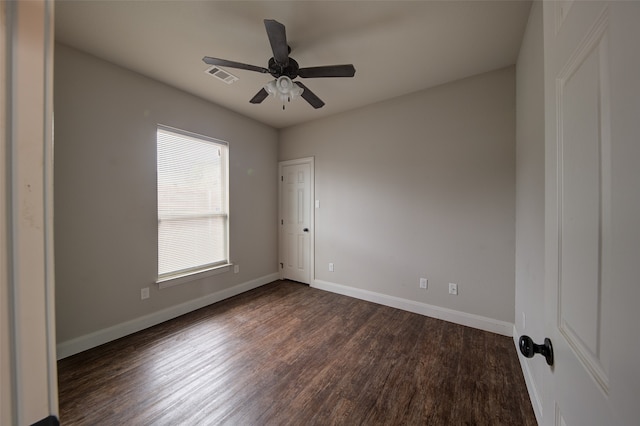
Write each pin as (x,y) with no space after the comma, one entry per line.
(532,389)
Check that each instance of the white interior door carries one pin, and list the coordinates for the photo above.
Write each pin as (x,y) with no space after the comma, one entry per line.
(580,250)
(296,224)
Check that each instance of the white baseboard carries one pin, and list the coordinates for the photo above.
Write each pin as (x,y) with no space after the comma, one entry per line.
(534,397)
(457,317)
(97,338)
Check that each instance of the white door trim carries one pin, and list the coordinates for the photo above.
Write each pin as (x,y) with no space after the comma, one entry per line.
(27,319)
(312,224)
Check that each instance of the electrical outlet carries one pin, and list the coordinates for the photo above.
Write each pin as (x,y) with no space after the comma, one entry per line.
(144,293)
(236,269)
(453,288)
(330,267)
(423,283)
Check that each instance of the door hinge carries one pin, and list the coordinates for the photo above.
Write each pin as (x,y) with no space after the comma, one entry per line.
(281,178)
(281,222)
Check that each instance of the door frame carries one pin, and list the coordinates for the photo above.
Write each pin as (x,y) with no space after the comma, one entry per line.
(28,390)
(312,221)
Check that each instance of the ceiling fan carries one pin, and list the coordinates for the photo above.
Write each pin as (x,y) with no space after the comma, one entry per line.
(285,69)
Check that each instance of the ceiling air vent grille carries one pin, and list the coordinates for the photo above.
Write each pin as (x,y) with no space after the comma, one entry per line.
(221,74)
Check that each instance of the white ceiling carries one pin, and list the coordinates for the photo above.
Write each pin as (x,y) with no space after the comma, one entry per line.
(397,47)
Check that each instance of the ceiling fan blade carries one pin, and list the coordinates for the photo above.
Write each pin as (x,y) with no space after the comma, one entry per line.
(259,97)
(278,39)
(310,97)
(231,64)
(327,71)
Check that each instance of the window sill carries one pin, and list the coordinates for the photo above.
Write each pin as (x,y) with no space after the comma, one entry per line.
(192,276)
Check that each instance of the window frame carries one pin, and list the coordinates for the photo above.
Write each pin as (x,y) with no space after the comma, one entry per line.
(169,279)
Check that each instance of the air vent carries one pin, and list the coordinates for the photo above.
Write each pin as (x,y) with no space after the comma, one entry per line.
(221,74)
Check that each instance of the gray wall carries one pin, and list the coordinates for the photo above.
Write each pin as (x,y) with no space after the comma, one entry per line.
(105,192)
(530,194)
(419,186)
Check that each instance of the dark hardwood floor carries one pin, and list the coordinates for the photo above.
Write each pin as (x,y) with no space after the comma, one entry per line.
(289,354)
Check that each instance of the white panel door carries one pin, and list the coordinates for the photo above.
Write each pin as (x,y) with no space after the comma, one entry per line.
(295,220)
(579,247)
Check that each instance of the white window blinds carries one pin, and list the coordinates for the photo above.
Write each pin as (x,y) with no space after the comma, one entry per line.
(192,202)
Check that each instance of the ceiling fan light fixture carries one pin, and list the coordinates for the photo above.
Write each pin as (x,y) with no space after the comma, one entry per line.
(284,89)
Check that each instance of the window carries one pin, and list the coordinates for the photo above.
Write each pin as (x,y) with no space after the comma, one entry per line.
(192,203)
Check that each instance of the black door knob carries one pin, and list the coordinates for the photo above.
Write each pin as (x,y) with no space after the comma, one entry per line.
(306,229)
(528,348)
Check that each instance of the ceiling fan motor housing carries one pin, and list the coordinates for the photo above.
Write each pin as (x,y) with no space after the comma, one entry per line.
(278,70)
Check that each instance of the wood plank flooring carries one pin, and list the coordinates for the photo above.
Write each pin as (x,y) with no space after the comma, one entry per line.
(287,354)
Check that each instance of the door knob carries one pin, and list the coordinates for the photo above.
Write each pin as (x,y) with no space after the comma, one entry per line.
(306,229)
(528,348)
